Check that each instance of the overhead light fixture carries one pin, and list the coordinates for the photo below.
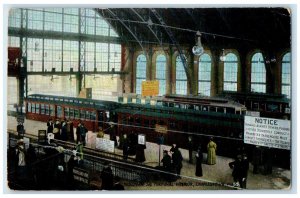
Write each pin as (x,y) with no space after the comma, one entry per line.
(223,57)
(198,48)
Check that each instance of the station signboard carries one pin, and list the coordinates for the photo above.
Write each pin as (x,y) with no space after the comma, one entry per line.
(105,145)
(150,88)
(268,132)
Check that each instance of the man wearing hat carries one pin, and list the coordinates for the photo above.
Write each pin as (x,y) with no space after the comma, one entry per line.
(21,160)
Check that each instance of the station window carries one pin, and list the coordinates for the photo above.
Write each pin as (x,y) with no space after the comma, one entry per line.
(82,114)
(59,111)
(76,113)
(87,115)
(258,73)
(33,107)
(161,73)
(93,115)
(52,112)
(141,65)
(29,107)
(71,113)
(37,108)
(181,78)
(204,76)
(286,75)
(230,72)
(66,112)
(47,109)
(42,109)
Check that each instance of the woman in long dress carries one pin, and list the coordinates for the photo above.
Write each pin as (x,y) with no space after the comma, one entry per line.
(211,152)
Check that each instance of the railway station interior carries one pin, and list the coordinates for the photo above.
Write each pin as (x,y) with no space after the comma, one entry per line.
(149,99)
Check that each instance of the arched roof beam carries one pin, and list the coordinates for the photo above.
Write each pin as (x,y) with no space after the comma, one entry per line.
(128,29)
(174,41)
(149,27)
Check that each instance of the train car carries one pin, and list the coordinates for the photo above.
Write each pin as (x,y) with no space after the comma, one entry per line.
(94,113)
(268,105)
(181,117)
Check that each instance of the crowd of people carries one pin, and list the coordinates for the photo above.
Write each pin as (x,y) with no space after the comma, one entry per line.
(171,161)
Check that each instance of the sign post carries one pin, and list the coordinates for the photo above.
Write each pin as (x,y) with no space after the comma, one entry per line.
(268,132)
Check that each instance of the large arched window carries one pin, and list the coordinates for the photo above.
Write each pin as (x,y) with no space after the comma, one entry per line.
(204,72)
(181,79)
(258,73)
(161,73)
(230,72)
(141,65)
(285,75)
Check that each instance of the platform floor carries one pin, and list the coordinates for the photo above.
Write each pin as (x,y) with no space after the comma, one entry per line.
(220,172)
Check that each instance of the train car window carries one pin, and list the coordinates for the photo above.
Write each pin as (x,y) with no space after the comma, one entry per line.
(100,116)
(93,115)
(76,113)
(171,104)
(87,115)
(42,109)
(71,113)
(82,114)
(80,102)
(213,109)
(138,121)
(204,108)
(59,111)
(176,105)
(66,100)
(66,112)
(146,123)
(191,106)
(33,107)
(61,99)
(71,101)
(255,106)
(52,112)
(56,99)
(29,107)
(46,109)
(273,107)
(165,104)
(220,110)
(159,103)
(197,108)
(230,110)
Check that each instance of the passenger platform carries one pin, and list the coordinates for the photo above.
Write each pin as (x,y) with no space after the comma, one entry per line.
(215,177)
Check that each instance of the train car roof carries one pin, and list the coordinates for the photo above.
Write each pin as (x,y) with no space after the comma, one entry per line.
(72,100)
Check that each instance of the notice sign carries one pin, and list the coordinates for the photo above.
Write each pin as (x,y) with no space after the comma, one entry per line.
(267,132)
(161,128)
(150,88)
(105,145)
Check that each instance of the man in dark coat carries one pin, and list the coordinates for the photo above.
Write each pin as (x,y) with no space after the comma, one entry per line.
(78,133)
(167,161)
(107,178)
(64,133)
(256,158)
(177,160)
(244,170)
(199,158)
(125,147)
(140,153)
(50,126)
(237,172)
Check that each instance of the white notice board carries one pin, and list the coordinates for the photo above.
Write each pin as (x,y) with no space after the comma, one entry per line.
(105,145)
(267,132)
